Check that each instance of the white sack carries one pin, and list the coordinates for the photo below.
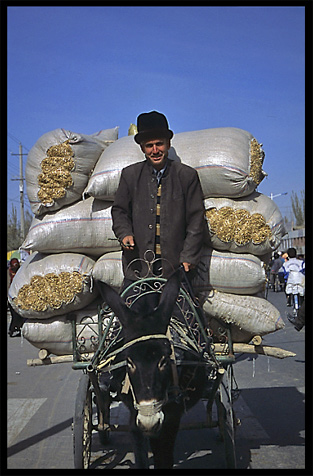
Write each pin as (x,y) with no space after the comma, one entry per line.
(108,269)
(227,272)
(55,334)
(38,264)
(221,156)
(254,203)
(84,227)
(252,314)
(86,149)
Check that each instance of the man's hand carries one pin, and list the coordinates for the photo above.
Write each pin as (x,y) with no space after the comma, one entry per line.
(188,266)
(128,242)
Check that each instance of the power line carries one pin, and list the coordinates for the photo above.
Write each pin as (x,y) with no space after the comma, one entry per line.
(16,140)
(13,138)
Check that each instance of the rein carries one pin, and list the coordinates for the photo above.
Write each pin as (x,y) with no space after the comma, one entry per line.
(113,354)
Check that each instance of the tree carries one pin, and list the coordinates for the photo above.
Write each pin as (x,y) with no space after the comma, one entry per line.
(298,208)
(14,232)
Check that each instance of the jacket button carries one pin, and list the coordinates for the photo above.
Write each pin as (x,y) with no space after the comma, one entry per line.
(150,226)
(152,196)
(152,210)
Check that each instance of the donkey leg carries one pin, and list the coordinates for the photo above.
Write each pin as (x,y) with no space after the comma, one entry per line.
(164,444)
(140,443)
(140,448)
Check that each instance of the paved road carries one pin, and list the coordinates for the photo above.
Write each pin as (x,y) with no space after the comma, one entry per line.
(270,406)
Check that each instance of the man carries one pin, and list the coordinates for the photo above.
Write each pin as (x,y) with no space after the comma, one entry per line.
(294,274)
(276,265)
(159,203)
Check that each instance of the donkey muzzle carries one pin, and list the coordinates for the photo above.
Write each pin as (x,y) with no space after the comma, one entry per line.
(150,417)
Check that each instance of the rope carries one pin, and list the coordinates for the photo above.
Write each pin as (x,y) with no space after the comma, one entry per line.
(113,354)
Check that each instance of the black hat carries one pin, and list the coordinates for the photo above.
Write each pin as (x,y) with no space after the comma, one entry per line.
(152,125)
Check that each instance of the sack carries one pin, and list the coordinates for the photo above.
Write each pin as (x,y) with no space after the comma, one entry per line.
(250,224)
(59,165)
(251,314)
(108,269)
(84,227)
(228,160)
(51,285)
(55,334)
(229,273)
(105,178)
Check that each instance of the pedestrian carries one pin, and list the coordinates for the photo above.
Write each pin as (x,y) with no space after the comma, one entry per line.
(159,205)
(16,320)
(275,267)
(294,273)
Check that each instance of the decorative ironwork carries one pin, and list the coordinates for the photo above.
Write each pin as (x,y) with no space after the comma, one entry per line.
(146,267)
(186,324)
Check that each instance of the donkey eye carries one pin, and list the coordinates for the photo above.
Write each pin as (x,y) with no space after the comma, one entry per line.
(163,363)
(131,365)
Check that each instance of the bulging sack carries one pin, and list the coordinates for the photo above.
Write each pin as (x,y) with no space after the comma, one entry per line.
(83,227)
(108,269)
(250,224)
(51,285)
(251,314)
(59,165)
(228,160)
(55,334)
(105,178)
(229,273)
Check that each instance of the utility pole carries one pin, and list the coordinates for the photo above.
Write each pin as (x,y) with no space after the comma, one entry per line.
(21,179)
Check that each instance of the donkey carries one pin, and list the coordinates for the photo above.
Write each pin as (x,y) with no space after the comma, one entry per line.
(148,387)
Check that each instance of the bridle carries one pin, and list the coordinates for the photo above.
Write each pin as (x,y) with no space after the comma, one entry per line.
(155,406)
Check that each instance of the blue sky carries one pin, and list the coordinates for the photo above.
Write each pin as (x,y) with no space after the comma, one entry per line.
(90,68)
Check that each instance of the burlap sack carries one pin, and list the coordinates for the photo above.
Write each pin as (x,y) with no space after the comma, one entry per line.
(84,227)
(108,269)
(250,224)
(251,314)
(227,272)
(55,334)
(52,285)
(59,165)
(228,160)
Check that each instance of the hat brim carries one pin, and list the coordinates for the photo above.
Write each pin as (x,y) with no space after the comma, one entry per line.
(153,134)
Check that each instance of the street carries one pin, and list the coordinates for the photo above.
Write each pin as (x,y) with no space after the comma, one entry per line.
(270,407)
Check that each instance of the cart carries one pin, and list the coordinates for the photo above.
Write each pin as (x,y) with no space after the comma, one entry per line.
(94,398)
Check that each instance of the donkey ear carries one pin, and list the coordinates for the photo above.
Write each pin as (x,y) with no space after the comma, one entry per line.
(114,300)
(168,297)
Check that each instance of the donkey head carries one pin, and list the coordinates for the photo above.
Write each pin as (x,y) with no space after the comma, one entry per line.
(148,356)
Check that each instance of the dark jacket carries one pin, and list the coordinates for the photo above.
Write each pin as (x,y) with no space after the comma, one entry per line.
(182,212)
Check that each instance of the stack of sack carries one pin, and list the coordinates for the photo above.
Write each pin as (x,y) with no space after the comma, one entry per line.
(245,227)
(54,286)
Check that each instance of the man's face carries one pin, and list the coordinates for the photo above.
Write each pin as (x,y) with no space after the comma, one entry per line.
(156,151)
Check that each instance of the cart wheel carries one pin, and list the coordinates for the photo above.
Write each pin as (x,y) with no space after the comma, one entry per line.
(82,425)
(226,418)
